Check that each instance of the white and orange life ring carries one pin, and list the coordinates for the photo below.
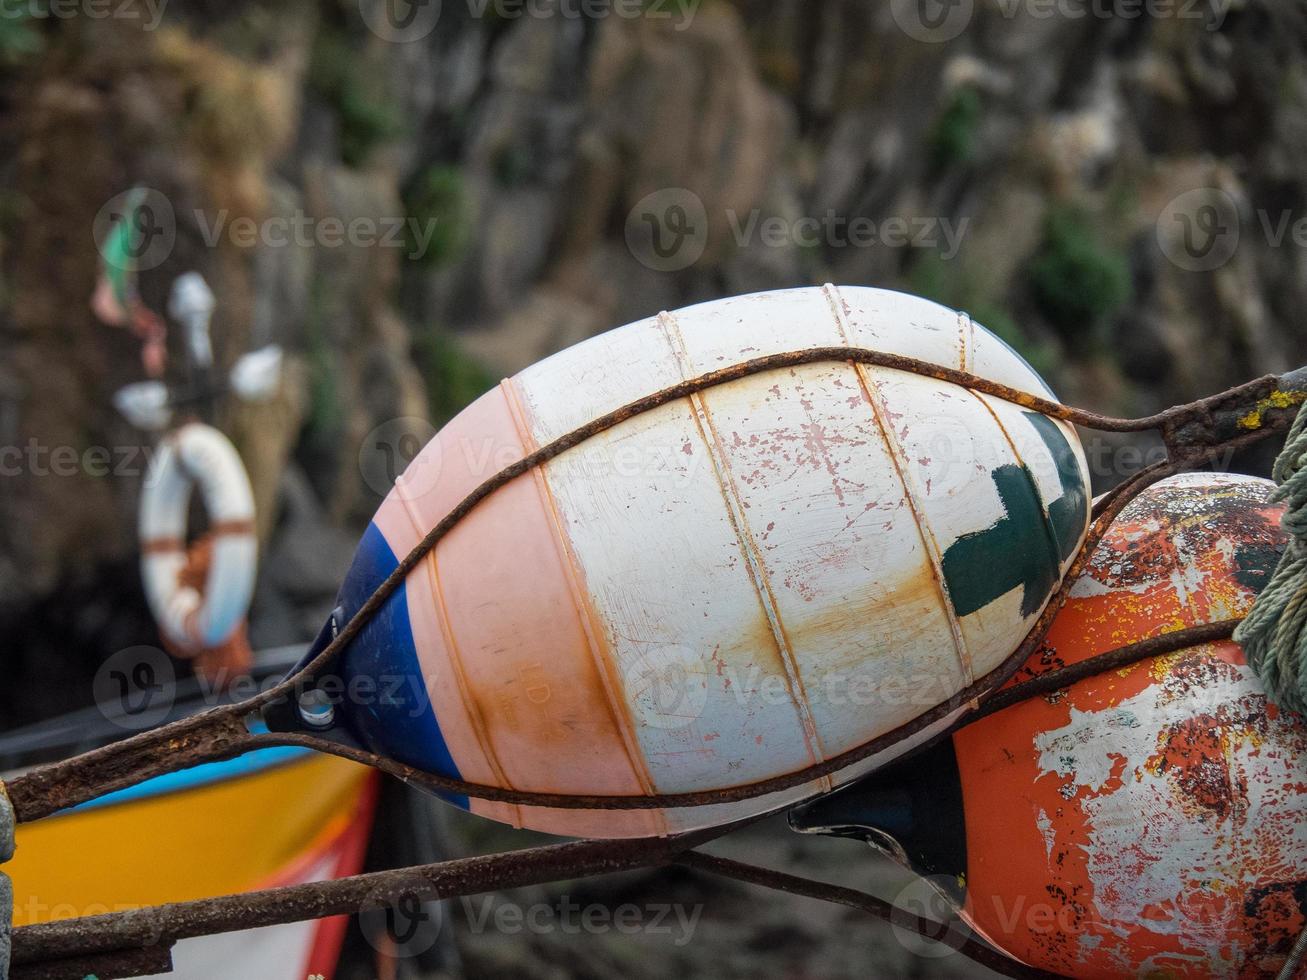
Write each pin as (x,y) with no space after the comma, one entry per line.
(191,618)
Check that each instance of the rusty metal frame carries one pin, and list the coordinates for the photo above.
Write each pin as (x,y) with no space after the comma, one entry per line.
(1194,434)
(112,944)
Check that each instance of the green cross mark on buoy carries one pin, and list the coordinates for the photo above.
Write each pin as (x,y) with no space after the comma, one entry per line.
(1026,546)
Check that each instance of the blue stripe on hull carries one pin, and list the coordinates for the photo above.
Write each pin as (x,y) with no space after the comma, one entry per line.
(250,764)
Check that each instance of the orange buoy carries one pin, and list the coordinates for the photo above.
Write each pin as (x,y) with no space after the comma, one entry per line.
(730,587)
(1148,821)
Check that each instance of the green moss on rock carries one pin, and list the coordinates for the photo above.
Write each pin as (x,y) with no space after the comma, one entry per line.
(436,203)
(346,81)
(454,379)
(953,138)
(1077,280)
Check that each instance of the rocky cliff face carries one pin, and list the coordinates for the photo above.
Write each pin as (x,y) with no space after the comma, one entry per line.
(1116,189)
(1117,195)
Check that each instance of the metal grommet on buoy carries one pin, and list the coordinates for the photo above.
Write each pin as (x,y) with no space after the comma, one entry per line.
(198,618)
(316,709)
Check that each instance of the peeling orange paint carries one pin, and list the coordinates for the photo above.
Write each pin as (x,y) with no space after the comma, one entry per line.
(1161,818)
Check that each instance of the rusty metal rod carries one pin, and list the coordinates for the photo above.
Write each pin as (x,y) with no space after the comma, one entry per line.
(1063,677)
(103,934)
(166,924)
(1193,433)
(115,965)
(941,932)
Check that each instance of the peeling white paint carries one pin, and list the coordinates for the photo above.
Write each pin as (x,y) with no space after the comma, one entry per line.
(1147,852)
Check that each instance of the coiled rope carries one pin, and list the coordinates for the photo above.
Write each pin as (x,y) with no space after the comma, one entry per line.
(1274,633)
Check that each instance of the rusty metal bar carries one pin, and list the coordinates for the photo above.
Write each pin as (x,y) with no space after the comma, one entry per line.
(942,932)
(115,965)
(1062,677)
(165,924)
(218,733)
(103,944)
(1194,433)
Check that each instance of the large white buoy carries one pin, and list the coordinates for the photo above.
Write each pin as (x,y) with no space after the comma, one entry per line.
(731,587)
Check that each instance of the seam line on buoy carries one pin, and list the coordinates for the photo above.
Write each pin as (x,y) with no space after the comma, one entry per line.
(480,730)
(719,458)
(600,653)
(966,342)
(899,458)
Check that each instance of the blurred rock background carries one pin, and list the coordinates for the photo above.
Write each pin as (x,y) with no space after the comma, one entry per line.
(1124,186)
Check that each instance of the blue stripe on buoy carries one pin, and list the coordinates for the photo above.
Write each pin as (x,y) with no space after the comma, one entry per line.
(396,715)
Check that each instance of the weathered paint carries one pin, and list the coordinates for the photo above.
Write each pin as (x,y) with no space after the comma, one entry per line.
(1152,819)
(728,587)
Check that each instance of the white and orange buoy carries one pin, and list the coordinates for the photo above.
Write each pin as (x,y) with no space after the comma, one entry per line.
(1145,821)
(733,586)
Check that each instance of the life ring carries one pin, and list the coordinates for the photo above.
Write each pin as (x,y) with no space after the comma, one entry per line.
(191,618)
